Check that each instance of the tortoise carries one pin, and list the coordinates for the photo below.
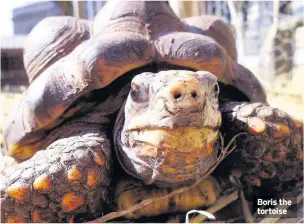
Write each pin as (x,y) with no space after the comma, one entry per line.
(138,92)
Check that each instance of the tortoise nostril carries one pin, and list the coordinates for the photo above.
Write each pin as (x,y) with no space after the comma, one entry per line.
(194,94)
(177,95)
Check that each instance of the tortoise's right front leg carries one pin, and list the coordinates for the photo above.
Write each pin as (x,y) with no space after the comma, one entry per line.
(69,178)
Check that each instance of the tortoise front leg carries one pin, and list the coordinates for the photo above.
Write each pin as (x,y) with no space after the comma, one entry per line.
(69,178)
(269,156)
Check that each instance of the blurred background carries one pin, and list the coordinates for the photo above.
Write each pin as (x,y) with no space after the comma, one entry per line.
(269,37)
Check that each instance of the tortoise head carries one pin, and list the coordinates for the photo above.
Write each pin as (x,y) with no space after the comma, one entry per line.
(168,129)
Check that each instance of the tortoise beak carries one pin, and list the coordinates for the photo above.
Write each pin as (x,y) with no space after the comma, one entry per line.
(170,156)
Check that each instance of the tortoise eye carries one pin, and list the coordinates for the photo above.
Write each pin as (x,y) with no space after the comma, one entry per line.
(216,89)
(134,90)
(138,93)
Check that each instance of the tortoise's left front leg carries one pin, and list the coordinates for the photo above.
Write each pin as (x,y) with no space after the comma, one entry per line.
(269,157)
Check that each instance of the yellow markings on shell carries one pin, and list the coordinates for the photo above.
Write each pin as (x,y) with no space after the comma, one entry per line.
(55,111)
(186,139)
(73,110)
(110,73)
(24,152)
(17,191)
(214,66)
(15,219)
(71,201)
(75,174)
(204,194)
(43,183)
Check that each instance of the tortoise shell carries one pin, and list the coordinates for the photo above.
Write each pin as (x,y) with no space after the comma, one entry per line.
(66,58)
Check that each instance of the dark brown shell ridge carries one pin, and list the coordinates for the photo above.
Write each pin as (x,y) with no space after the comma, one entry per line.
(79,56)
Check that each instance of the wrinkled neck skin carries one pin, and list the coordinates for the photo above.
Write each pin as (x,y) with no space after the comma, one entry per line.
(166,133)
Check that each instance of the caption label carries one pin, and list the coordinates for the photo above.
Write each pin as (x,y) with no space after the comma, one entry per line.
(274,207)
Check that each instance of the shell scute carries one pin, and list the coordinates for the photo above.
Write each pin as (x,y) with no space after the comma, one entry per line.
(124,36)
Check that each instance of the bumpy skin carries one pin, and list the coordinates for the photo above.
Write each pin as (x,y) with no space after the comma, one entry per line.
(269,156)
(71,176)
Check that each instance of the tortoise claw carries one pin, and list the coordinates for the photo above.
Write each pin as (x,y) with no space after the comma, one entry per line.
(270,155)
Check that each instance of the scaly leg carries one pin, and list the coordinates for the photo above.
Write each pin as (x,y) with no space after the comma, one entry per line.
(269,156)
(69,178)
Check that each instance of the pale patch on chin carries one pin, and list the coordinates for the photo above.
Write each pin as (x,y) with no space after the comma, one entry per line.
(170,155)
(184,139)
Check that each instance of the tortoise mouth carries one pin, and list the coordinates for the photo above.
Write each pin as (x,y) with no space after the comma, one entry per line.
(166,156)
(182,139)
